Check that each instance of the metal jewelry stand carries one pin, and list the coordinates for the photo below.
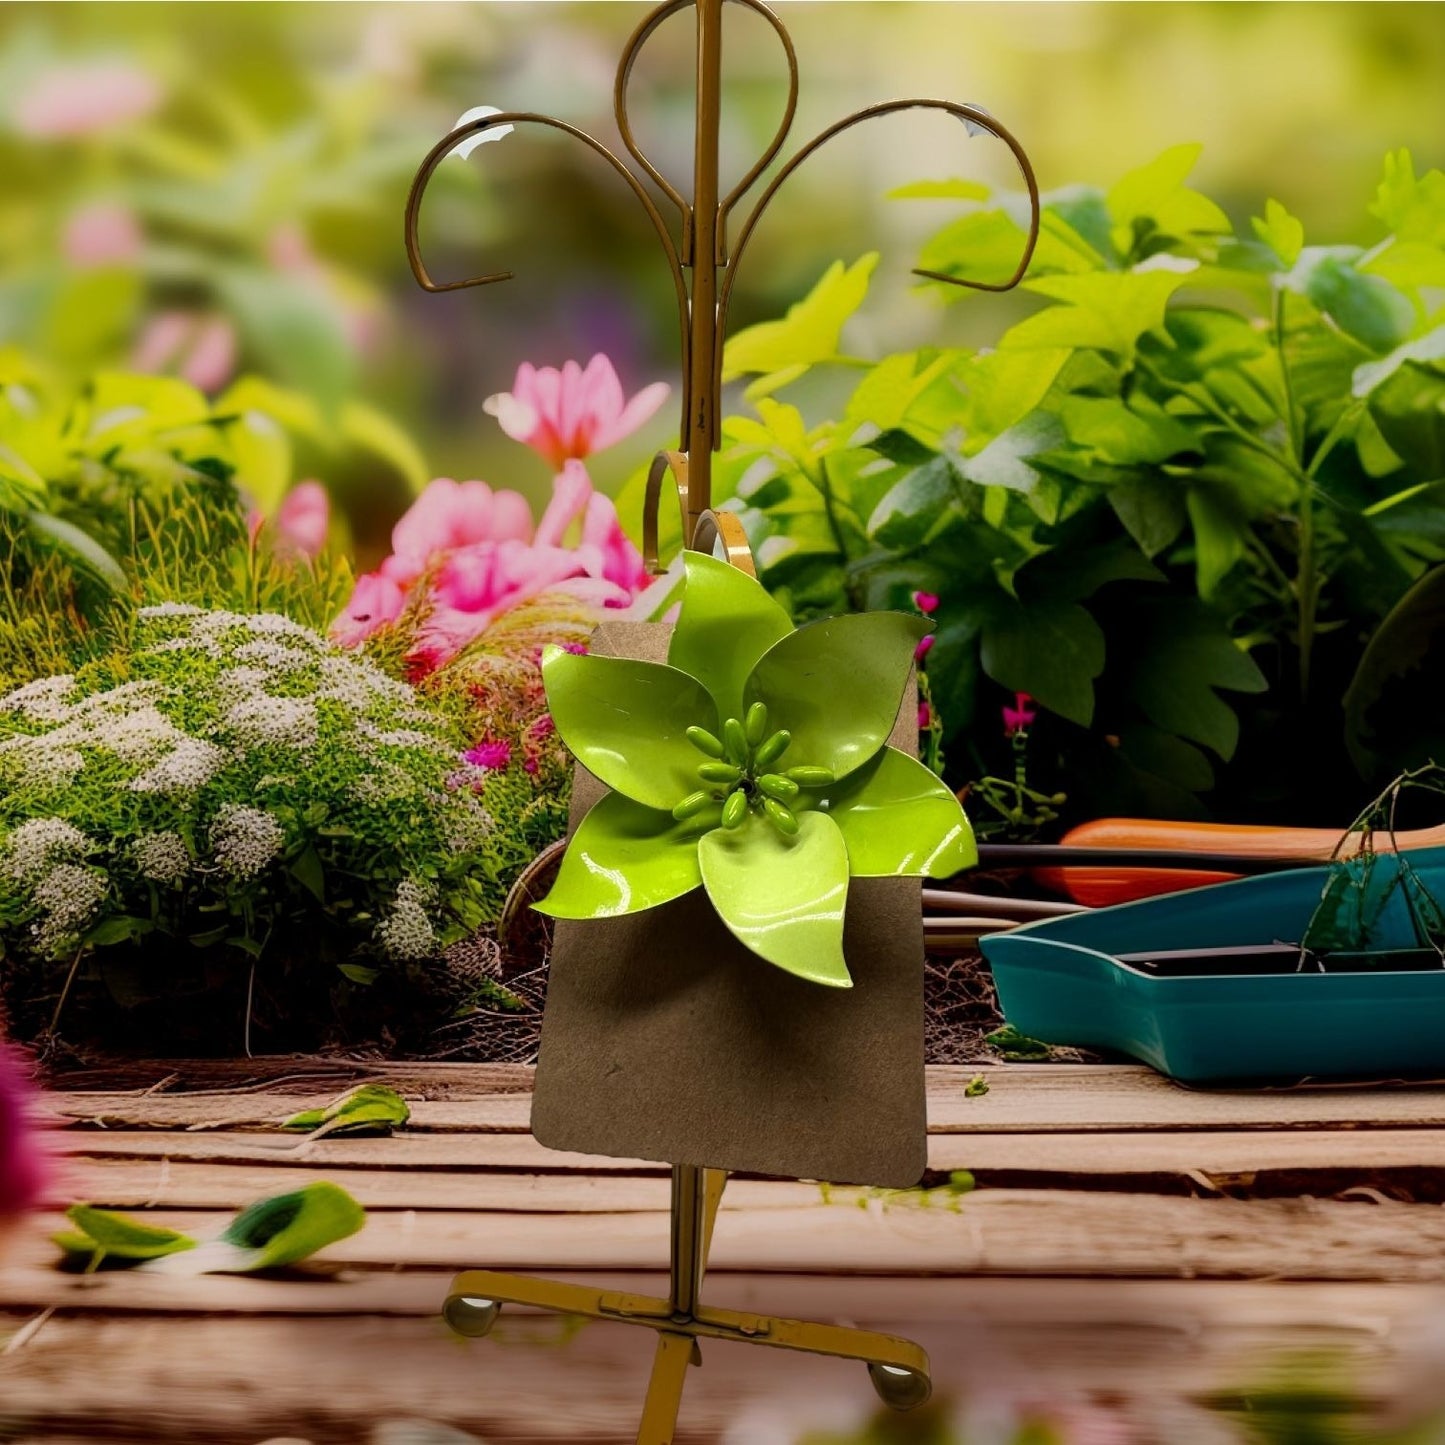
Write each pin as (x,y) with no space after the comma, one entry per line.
(897,1367)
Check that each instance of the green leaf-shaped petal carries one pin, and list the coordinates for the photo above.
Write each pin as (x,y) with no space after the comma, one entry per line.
(836,686)
(727,623)
(103,1232)
(624,858)
(291,1227)
(626,722)
(783,897)
(898,819)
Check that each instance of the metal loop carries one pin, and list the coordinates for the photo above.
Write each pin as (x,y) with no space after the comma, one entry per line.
(633,48)
(448,143)
(714,526)
(662,464)
(971,115)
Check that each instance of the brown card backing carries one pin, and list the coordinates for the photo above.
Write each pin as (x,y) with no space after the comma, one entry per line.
(665,1039)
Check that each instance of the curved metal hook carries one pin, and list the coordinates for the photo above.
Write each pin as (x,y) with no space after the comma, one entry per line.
(633,48)
(662,464)
(971,115)
(448,143)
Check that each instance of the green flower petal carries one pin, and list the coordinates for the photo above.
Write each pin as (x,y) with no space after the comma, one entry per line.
(836,686)
(626,722)
(782,897)
(624,858)
(897,818)
(727,623)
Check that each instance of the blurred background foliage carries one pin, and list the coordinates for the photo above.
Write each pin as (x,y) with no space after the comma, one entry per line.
(216,191)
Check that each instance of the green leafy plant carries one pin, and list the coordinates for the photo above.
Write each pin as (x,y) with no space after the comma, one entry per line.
(237,789)
(1182,495)
(754,765)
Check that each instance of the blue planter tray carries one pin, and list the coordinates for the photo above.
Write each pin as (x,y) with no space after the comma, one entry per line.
(1373,1014)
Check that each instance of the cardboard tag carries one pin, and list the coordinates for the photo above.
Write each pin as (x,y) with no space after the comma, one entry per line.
(664,1038)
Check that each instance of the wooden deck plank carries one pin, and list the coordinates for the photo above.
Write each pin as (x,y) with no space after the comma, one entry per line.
(1021,1098)
(991,1232)
(213,1380)
(1317,1161)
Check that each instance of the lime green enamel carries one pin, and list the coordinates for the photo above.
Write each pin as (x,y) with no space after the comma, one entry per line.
(898,819)
(771,749)
(705,742)
(727,623)
(836,685)
(624,858)
(626,722)
(783,897)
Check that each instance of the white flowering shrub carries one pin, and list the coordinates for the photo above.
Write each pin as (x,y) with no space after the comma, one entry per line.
(236,783)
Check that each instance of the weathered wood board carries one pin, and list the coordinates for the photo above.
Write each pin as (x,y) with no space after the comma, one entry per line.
(1128,1241)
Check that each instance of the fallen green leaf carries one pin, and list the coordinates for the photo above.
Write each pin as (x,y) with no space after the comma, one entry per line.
(370,1109)
(1014,1046)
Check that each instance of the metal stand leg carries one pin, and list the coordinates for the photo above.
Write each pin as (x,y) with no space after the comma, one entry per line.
(897,1367)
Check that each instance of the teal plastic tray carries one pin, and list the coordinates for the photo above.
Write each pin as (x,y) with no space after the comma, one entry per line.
(1061,981)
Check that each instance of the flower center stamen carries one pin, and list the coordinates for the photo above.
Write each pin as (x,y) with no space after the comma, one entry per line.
(740,778)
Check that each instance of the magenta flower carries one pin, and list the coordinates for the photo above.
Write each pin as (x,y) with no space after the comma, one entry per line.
(22,1160)
(926,602)
(1020,717)
(925,646)
(375,601)
(477,551)
(569,414)
(492,755)
(104,233)
(925,717)
(83,97)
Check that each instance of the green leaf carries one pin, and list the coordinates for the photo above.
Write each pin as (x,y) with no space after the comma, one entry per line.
(1014,1046)
(1125,434)
(1004,462)
(1003,387)
(359,973)
(308,871)
(955,189)
(102,1232)
(120,929)
(909,510)
(836,686)
(1366,307)
(1413,209)
(898,819)
(1409,409)
(727,622)
(1155,198)
(1183,657)
(1107,310)
(79,548)
(1050,649)
(624,858)
(1372,374)
(782,897)
(1283,233)
(368,1109)
(288,1228)
(811,331)
(626,722)
(1152,510)
(125,406)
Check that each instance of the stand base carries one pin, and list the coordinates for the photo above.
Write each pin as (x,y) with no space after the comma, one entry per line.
(897,1367)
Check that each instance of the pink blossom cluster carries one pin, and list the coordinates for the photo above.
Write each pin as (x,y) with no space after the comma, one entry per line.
(466,554)
(22,1162)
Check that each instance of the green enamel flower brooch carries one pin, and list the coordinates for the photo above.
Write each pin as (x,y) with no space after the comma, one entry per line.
(755,765)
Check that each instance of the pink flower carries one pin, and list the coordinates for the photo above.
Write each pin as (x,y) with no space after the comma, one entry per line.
(569,414)
(926,601)
(925,717)
(22,1160)
(925,645)
(1020,717)
(375,601)
(492,755)
(303,519)
(202,349)
(449,515)
(104,233)
(544,727)
(82,97)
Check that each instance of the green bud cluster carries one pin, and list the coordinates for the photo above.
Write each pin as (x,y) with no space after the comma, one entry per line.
(739,776)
